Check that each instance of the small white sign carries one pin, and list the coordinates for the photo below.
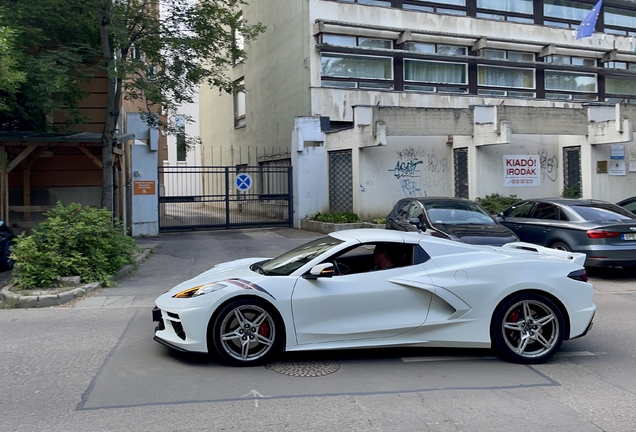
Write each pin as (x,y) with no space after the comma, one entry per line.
(632,167)
(617,151)
(617,167)
(521,171)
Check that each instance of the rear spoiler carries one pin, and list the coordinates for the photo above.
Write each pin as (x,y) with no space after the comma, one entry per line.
(575,257)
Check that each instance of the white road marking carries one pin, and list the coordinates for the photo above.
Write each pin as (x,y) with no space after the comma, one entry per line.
(254,394)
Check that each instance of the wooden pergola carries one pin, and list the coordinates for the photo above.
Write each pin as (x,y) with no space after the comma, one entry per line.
(20,150)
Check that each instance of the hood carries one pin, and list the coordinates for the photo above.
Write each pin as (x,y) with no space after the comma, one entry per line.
(239,269)
(495,235)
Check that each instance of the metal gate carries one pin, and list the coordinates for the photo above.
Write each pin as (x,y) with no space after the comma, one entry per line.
(192,198)
(340,182)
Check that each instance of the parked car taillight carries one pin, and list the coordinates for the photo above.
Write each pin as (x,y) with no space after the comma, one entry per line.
(596,234)
(579,275)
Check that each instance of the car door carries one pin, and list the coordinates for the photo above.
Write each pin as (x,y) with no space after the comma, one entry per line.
(517,219)
(543,225)
(362,305)
(398,219)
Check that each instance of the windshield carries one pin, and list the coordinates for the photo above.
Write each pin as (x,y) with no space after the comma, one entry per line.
(289,262)
(603,212)
(458,213)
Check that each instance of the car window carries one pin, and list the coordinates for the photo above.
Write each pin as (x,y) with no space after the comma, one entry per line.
(519,210)
(415,210)
(546,211)
(603,212)
(631,206)
(458,213)
(287,263)
(401,209)
(360,258)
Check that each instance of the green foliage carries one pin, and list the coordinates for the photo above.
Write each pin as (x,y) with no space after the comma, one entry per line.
(495,203)
(336,217)
(380,221)
(71,241)
(571,192)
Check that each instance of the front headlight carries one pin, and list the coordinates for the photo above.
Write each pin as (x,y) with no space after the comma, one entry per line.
(199,290)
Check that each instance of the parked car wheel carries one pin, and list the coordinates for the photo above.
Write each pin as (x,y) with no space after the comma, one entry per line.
(6,263)
(246,332)
(527,328)
(561,246)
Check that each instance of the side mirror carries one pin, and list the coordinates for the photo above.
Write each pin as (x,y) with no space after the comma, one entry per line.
(320,270)
(499,217)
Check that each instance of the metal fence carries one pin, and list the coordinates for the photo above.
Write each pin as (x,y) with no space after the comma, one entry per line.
(227,197)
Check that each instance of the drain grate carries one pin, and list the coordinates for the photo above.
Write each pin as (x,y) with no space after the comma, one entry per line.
(305,369)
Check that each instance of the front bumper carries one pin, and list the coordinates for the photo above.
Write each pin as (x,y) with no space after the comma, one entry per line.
(179,330)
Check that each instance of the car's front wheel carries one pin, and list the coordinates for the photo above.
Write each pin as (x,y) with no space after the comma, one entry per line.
(527,328)
(247,332)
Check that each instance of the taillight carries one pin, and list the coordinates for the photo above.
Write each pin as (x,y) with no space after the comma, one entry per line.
(579,275)
(596,234)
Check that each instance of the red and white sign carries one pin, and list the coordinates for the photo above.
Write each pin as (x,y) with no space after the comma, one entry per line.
(522,171)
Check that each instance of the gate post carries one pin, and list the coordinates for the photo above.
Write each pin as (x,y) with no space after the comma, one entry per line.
(144,197)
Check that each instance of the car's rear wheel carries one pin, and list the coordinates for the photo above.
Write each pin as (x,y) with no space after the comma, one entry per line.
(247,332)
(527,328)
(561,246)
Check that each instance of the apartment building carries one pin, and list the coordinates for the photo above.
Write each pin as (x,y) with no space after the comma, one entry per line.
(374,100)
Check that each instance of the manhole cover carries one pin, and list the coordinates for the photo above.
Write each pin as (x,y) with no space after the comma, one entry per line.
(305,368)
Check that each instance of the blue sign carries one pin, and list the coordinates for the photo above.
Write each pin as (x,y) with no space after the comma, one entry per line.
(243,182)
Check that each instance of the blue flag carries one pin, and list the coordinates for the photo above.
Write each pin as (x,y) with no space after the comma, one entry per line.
(589,22)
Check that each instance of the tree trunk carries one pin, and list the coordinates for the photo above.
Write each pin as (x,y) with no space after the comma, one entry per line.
(112,105)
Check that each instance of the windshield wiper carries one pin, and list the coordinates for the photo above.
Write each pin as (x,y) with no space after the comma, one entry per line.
(257,267)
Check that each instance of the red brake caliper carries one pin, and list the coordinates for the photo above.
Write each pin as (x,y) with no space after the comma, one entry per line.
(263,329)
(513,317)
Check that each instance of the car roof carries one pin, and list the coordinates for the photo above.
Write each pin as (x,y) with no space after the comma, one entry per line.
(441,198)
(568,201)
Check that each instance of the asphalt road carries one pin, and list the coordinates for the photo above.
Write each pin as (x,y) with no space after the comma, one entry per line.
(92,365)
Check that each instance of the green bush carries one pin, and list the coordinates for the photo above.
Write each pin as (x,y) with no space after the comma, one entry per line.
(72,241)
(336,217)
(570,192)
(495,203)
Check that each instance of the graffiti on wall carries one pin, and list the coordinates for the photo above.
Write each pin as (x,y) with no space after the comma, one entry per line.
(549,165)
(411,169)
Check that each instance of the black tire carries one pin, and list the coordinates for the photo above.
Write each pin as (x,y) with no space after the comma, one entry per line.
(561,246)
(527,328)
(246,332)
(6,263)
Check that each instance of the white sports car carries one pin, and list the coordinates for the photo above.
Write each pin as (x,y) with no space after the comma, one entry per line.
(521,299)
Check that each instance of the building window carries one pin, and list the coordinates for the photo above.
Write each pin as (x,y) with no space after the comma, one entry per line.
(429,48)
(569,60)
(182,150)
(570,81)
(386,3)
(620,85)
(507,55)
(614,17)
(353,41)
(498,76)
(355,66)
(238,44)
(517,6)
(568,13)
(239,104)
(435,72)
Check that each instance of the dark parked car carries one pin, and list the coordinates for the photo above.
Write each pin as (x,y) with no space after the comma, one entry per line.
(628,204)
(451,218)
(6,244)
(605,232)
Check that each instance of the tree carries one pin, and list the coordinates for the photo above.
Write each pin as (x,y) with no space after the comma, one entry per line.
(154,51)
(159,53)
(48,59)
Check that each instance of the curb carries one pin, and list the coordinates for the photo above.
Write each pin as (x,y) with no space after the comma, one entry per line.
(16,300)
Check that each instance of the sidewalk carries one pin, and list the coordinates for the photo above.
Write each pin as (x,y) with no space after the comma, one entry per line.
(177,257)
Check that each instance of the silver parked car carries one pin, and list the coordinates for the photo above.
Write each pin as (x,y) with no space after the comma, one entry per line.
(605,232)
